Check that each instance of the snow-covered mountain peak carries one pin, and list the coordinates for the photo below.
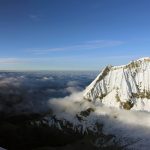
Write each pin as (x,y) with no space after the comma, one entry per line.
(126,86)
(134,63)
(144,59)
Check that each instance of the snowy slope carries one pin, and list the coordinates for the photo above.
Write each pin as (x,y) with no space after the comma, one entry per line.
(126,86)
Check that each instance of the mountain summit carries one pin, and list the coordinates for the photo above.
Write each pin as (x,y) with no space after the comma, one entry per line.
(126,86)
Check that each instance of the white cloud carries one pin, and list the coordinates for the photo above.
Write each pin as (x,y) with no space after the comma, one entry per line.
(83,46)
(131,128)
(11,61)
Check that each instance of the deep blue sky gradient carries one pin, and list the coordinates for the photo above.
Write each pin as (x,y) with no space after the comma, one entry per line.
(72,34)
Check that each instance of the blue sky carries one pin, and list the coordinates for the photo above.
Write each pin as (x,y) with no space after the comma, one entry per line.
(72,34)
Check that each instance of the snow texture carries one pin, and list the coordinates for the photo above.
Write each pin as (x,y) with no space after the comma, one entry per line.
(111,90)
(115,86)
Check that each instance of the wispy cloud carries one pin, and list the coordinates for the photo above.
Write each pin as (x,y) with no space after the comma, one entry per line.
(34,17)
(64,62)
(33,60)
(11,61)
(97,44)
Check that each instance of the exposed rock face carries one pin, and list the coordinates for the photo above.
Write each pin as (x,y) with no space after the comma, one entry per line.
(126,86)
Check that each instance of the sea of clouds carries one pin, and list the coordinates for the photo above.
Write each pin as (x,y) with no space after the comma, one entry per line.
(130,128)
(29,92)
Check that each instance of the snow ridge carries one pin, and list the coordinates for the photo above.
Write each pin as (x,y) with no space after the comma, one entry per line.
(126,86)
